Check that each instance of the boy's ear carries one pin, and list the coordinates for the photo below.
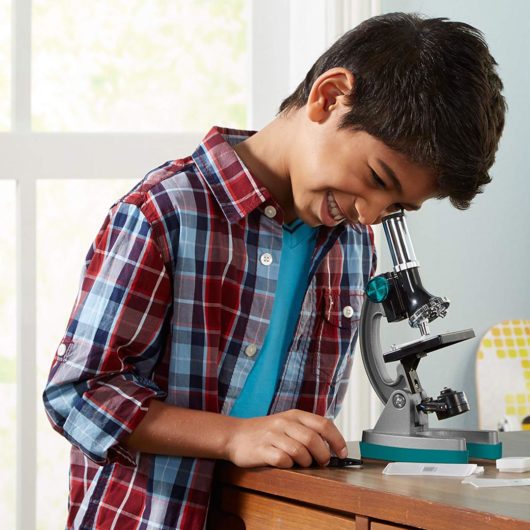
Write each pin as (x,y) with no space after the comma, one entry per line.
(328,92)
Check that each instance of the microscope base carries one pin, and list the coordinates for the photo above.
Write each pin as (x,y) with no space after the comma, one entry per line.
(432,445)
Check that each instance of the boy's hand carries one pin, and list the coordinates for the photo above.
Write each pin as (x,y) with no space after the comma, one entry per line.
(285,439)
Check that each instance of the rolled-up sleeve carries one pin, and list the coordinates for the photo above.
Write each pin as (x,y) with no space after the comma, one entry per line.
(101,378)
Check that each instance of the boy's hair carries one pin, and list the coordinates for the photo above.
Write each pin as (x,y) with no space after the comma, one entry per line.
(425,87)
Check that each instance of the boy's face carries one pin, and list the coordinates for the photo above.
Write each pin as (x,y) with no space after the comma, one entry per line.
(344,176)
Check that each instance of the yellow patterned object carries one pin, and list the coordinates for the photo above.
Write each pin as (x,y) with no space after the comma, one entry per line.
(503,376)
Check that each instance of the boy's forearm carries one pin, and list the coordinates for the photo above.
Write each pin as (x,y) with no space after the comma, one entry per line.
(281,439)
(170,430)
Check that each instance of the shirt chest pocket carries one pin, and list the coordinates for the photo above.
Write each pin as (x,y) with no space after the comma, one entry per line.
(342,308)
(336,332)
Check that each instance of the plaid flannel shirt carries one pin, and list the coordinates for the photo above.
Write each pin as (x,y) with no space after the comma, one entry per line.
(173,292)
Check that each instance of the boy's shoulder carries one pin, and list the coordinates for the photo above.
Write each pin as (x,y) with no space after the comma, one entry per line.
(170,188)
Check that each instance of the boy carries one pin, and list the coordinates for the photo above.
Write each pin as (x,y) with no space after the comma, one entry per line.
(219,306)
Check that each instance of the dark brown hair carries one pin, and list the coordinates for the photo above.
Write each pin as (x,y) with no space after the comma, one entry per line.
(425,87)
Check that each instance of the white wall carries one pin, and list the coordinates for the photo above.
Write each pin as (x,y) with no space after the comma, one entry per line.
(480,258)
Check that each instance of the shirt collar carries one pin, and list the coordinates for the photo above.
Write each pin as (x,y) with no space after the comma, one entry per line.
(236,190)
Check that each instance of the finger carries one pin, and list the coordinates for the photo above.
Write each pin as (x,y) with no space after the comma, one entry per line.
(296,450)
(311,440)
(278,458)
(328,430)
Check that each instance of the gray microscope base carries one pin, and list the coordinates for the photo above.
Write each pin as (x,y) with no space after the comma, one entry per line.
(431,445)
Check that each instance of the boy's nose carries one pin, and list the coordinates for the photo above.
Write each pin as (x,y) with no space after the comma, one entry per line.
(371,213)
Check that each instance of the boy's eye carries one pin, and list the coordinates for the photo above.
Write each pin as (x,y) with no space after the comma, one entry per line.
(378,180)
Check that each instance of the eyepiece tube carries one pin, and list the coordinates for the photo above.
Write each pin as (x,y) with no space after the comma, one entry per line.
(399,243)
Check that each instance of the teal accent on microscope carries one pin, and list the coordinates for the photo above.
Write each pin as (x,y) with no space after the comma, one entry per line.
(377,289)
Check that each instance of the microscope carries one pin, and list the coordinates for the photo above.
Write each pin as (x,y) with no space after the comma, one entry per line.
(402,432)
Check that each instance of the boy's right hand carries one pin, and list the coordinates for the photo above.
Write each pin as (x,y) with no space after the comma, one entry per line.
(285,439)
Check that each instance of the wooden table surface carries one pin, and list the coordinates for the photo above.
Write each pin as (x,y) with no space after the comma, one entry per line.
(424,502)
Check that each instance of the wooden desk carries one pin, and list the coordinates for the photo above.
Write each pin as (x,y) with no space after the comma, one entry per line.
(364,499)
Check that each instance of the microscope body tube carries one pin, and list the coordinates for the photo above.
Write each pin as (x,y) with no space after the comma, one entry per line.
(421,306)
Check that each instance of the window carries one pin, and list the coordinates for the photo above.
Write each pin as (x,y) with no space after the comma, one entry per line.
(105,92)
(8,393)
(132,65)
(123,86)
(5,64)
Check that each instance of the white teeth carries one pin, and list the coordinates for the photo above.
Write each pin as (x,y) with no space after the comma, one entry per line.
(333,208)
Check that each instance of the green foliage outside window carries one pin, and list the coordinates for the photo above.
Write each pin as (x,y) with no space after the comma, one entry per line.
(131,65)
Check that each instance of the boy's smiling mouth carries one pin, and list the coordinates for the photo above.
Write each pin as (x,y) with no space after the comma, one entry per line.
(333,208)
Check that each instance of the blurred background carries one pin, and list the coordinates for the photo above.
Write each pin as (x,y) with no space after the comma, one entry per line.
(95,94)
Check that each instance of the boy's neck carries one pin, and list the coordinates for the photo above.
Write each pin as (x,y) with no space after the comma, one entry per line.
(265,154)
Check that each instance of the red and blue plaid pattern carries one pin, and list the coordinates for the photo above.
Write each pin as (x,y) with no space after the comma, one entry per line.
(173,292)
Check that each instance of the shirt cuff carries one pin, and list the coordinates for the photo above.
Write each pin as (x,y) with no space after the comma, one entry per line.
(108,412)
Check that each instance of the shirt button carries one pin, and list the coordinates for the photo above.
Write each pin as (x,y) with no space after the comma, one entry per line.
(61,350)
(251,350)
(348,311)
(270,211)
(266,259)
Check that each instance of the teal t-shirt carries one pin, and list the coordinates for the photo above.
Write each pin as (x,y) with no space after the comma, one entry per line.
(297,248)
